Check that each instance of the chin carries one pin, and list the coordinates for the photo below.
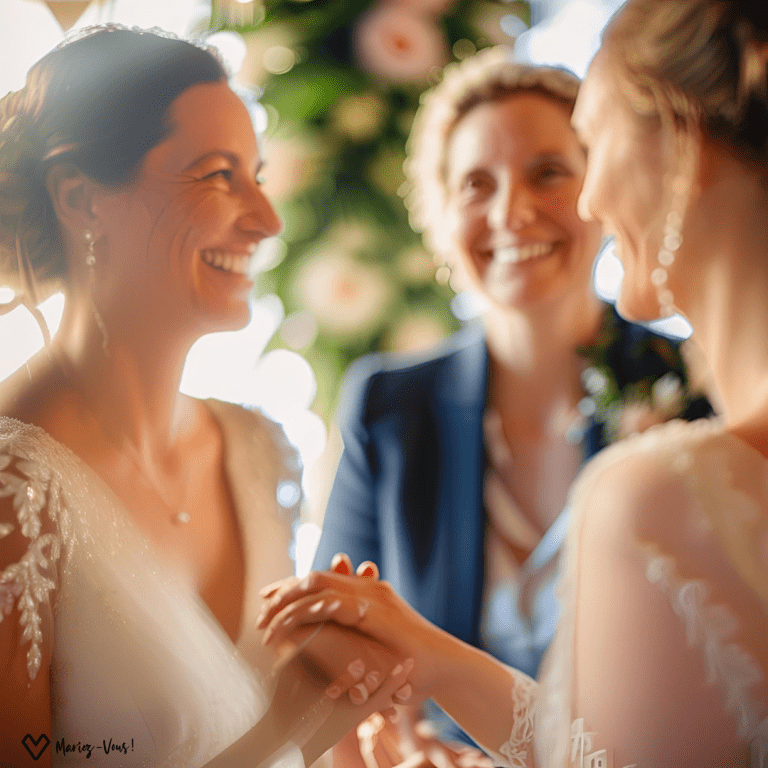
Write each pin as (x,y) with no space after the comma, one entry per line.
(637,308)
(231,318)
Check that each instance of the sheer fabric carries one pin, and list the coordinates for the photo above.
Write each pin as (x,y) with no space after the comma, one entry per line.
(136,658)
(661,653)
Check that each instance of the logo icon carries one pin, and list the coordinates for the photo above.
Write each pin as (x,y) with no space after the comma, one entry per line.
(36,750)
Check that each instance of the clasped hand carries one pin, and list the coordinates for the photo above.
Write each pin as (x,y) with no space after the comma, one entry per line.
(362,604)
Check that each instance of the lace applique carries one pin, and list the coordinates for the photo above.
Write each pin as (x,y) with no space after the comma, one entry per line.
(710,627)
(582,755)
(520,743)
(24,581)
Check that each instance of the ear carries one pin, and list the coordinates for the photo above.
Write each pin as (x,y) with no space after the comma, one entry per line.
(72,194)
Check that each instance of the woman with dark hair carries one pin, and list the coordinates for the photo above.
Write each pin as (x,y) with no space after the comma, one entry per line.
(137,524)
(660,657)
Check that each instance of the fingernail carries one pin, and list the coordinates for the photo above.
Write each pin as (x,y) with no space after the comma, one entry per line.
(372,679)
(339,565)
(358,694)
(397,670)
(333,692)
(362,606)
(367,571)
(357,669)
(404,693)
(317,607)
(286,621)
(335,605)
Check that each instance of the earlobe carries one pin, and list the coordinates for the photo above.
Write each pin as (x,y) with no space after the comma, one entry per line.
(72,195)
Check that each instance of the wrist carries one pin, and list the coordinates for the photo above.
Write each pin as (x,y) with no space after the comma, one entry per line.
(441,660)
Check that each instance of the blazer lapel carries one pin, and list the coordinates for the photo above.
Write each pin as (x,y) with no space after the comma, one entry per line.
(460,541)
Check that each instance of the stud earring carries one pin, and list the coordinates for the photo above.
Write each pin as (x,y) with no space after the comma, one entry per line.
(90,261)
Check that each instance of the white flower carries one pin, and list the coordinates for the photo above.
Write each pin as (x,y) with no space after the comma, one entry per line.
(594,381)
(416,266)
(635,418)
(359,117)
(292,162)
(667,394)
(275,36)
(398,45)
(416,333)
(347,297)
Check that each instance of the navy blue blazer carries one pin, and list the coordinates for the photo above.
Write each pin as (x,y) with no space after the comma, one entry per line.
(408,492)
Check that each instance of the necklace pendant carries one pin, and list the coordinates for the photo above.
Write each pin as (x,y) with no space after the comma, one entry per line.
(181,517)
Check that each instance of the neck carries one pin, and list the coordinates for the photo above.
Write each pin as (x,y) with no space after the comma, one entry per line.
(728,304)
(535,367)
(131,388)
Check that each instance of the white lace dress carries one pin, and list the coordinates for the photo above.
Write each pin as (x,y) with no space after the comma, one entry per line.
(136,658)
(661,655)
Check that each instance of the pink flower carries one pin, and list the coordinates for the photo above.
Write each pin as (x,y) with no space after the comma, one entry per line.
(636,418)
(348,298)
(426,7)
(397,44)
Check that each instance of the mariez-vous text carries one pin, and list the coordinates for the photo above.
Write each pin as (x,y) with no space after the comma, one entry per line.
(107,746)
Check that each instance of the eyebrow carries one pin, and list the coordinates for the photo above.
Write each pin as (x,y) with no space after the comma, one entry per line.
(232,158)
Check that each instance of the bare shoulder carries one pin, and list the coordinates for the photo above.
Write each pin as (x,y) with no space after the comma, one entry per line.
(646,488)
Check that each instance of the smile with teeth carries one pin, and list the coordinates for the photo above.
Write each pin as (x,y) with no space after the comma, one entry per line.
(228,262)
(523,253)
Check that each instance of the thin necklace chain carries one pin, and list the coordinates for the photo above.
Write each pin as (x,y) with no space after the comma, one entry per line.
(179,516)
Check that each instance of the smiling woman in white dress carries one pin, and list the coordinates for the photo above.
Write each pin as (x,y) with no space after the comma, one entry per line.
(136,524)
(660,659)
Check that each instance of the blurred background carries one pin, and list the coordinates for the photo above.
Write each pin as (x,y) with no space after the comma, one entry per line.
(338,83)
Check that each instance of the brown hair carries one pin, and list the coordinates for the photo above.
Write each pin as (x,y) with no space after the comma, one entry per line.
(100,102)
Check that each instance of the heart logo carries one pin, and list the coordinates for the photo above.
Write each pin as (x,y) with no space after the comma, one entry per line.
(27,740)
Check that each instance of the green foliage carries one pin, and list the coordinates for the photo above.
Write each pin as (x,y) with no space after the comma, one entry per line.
(353,267)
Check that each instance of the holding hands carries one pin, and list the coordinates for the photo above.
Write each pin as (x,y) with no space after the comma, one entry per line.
(361,603)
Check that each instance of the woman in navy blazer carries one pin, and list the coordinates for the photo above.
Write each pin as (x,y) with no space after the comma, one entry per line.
(456,464)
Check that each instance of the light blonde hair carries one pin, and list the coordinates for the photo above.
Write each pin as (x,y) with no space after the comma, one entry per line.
(698,61)
(490,75)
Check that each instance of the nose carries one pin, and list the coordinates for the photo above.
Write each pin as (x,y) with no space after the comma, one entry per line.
(584,201)
(259,216)
(514,206)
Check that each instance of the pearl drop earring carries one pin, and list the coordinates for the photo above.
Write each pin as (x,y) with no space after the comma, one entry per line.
(673,239)
(90,260)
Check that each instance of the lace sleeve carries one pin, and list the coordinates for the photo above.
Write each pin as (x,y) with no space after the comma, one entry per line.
(518,749)
(26,490)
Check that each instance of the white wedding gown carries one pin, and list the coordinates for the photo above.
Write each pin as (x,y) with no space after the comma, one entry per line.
(137,658)
(661,655)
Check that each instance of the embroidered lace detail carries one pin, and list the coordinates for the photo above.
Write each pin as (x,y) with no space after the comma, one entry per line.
(582,755)
(520,743)
(710,627)
(25,581)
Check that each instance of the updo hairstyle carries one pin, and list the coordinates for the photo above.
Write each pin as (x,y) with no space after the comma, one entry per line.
(100,102)
(701,61)
(490,75)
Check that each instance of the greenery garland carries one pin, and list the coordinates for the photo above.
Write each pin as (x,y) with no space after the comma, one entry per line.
(353,275)
(635,379)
